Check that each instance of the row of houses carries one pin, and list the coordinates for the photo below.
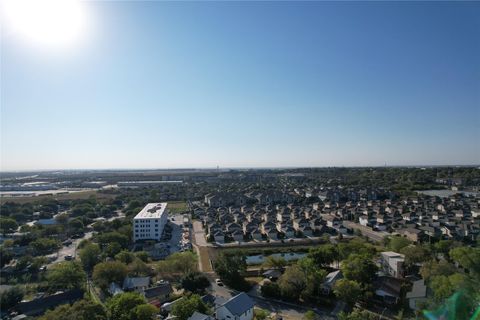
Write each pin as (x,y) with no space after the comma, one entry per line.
(223,199)
(420,218)
(260,222)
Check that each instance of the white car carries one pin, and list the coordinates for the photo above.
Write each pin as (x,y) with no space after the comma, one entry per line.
(219,282)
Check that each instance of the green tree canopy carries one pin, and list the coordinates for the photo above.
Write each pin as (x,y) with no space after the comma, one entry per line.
(349,291)
(360,268)
(324,255)
(44,246)
(195,282)
(231,269)
(274,262)
(467,257)
(144,312)
(415,254)
(444,286)
(10,298)
(8,225)
(184,308)
(80,310)
(66,275)
(124,306)
(436,268)
(105,273)
(357,314)
(396,243)
(90,256)
(125,256)
(292,282)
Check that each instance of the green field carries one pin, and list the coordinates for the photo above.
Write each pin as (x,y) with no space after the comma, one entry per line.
(177,206)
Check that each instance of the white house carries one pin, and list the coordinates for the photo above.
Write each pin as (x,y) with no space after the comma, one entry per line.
(239,307)
(392,263)
(363,220)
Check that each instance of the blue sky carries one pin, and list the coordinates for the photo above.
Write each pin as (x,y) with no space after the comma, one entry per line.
(252,84)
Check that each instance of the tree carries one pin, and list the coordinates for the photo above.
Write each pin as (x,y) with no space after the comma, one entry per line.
(260,314)
(107,272)
(323,255)
(125,256)
(348,291)
(292,282)
(355,245)
(195,282)
(314,277)
(396,243)
(184,308)
(5,256)
(142,255)
(8,225)
(113,237)
(80,310)
(75,226)
(10,297)
(123,306)
(113,249)
(443,247)
(360,268)
(231,268)
(66,275)
(270,290)
(444,286)
(144,312)
(434,268)
(138,268)
(415,254)
(309,315)
(357,314)
(275,262)
(468,258)
(90,256)
(44,246)
(180,263)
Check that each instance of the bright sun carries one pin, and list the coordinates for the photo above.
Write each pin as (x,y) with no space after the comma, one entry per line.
(48,23)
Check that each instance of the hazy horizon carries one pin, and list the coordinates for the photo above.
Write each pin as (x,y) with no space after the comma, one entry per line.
(152,85)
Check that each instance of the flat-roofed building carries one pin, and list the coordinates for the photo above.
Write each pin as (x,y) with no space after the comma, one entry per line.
(148,224)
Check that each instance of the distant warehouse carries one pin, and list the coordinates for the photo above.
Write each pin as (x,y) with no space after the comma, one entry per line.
(148,224)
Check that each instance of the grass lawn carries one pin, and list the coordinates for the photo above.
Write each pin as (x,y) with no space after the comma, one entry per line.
(177,206)
(254,280)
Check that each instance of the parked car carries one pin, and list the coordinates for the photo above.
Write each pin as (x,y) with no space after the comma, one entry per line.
(68,257)
(219,282)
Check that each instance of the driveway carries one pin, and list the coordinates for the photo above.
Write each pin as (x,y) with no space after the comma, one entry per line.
(199,234)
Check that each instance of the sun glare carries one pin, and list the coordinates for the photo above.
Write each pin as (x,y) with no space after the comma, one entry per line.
(48,23)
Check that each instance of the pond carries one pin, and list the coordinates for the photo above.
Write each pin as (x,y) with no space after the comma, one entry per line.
(289,256)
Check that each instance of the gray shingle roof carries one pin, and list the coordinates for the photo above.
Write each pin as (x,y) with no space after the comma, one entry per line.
(199,316)
(239,304)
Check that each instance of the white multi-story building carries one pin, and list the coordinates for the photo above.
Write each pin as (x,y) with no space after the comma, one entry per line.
(148,224)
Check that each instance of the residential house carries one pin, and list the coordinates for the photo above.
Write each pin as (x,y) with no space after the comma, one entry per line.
(239,307)
(392,263)
(138,284)
(418,295)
